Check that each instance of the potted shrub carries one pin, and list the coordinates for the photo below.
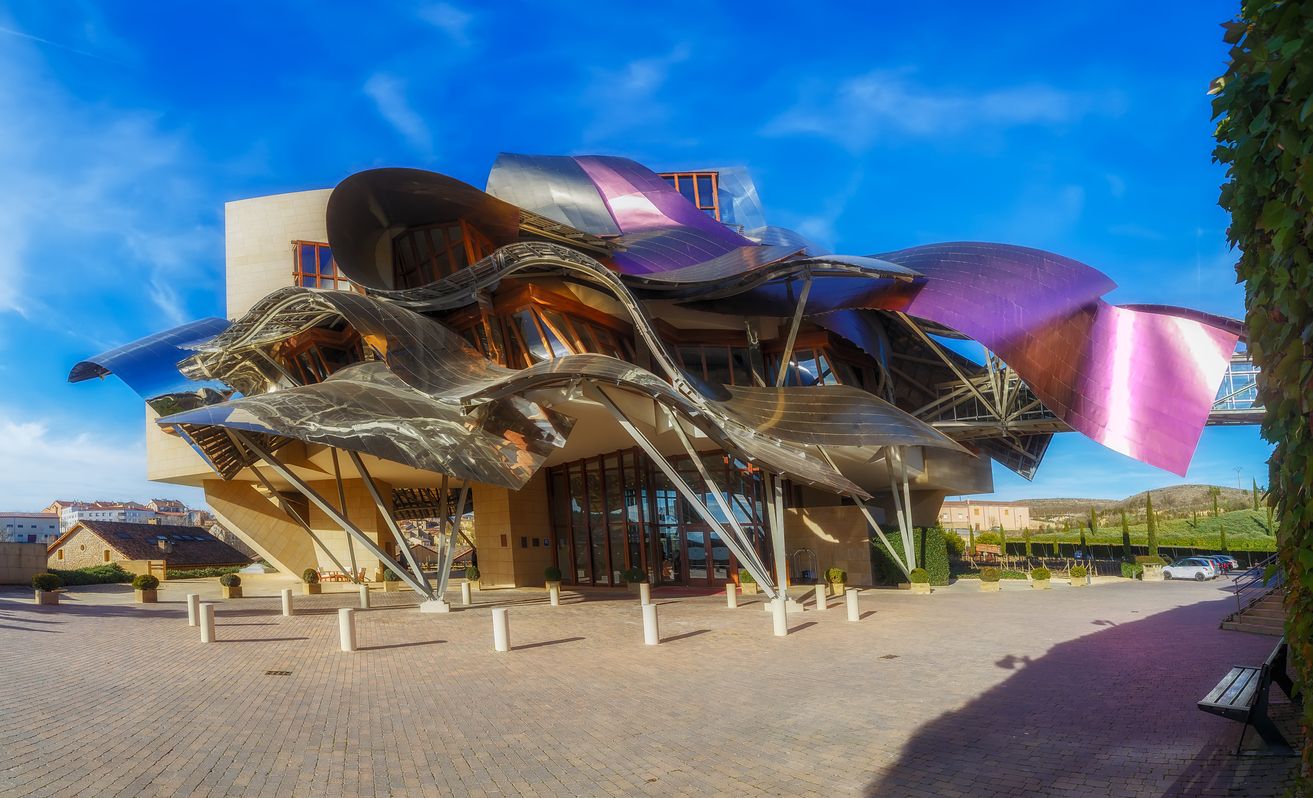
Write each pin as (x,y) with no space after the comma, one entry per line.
(920,581)
(989,580)
(552,575)
(837,577)
(1040,578)
(472,576)
(1132,570)
(633,578)
(232,586)
(747,584)
(1151,567)
(310,582)
(147,587)
(1078,573)
(45,585)
(391,581)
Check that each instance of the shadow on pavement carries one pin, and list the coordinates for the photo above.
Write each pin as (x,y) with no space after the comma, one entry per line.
(1110,713)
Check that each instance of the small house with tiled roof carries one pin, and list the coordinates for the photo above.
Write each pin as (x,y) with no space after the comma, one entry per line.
(89,543)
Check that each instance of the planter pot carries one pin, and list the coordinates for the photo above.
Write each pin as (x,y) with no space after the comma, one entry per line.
(474,584)
(748,588)
(47,598)
(837,589)
(147,596)
(232,592)
(633,587)
(1040,584)
(392,587)
(989,587)
(921,588)
(312,588)
(1152,573)
(1078,582)
(554,584)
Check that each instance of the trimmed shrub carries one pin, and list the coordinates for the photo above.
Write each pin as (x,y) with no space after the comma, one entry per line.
(310,576)
(920,576)
(1078,572)
(957,547)
(931,555)
(47,582)
(836,575)
(989,575)
(633,576)
(472,572)
(1131,570)
(95,575)
(230,580)
(202,573)
(390,575)
(1149,559)
(745,577)
(1041,573)
(145,582)
(552,574)
(1011,574)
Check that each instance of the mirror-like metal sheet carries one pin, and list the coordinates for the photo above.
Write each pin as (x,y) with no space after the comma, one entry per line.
(365,408)
(149,366)
(554,186)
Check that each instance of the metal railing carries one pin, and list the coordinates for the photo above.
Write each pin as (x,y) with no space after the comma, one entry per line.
(1254,579)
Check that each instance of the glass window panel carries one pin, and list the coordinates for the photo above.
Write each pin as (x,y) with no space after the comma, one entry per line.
(740,368)
(597,523)
(686,188)
(824,374)
(719,558)
(586,338)
(525,324)
(807,368)
(558,332)
(579,522)
(307,281)
(697,555)
(305,261)
(692,359)
(669,179)
(706,196)
(325,257)
(561,521)
(718,368)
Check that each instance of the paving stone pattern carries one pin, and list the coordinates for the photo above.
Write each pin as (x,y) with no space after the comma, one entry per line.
(1066,692)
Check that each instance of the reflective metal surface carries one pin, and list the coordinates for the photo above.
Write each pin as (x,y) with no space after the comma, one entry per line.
(149,366)
(554,186)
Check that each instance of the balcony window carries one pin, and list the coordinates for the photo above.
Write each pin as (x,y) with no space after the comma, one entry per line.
(424,255)
(727,365)
(699,188)
(313,267)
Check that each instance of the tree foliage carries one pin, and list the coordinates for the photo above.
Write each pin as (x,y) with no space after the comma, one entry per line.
(1128,554)
(1152,524)
(1264,107)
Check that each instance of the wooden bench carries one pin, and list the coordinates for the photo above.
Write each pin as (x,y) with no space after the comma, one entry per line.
(1242,696)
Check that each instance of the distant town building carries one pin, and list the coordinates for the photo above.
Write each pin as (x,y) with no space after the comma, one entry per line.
(123,512)
(131,545)
(28,527)
(962,515)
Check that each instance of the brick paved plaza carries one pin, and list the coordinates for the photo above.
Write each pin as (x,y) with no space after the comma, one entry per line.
(1066,692)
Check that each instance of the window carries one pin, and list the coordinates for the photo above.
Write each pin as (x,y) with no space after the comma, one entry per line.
(106,555)
(423,255)
(727,365)
(536,333)
(699,188)
(313,267)
(313,355)
(59,555)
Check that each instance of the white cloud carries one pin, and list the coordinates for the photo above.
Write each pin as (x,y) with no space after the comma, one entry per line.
(628,97)
(452,20)
(42,463)
(389,97)
(864,109)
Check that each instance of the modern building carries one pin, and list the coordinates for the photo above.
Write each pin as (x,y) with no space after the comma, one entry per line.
(134,546)
(618,369)
(28,527)
(962,515)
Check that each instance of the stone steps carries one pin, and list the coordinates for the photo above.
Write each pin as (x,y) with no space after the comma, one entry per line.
(1267,616)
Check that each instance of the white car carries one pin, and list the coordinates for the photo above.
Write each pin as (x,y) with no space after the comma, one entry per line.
(1196,568)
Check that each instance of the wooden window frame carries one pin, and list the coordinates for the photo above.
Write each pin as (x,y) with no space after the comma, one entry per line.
(713,206)
(338,281)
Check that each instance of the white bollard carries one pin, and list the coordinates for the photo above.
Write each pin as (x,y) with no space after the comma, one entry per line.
(644,593)
(651,633)
(364,597)
(287,602)
(820,596)
(466,594)
(731,595)
(501,629)
(193,609)
(207,623)
(851,598)
(346,628)
(779,618)
(554,593)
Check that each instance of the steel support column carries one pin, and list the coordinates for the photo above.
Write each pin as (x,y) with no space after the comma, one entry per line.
(391,522)
(787,355)
(341,502)
(291,513)
(449,555)
(319,501)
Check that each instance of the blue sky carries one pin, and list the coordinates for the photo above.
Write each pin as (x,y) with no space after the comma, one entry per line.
(124,127)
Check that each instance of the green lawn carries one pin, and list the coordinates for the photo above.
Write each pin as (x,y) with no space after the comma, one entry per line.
(1246,530)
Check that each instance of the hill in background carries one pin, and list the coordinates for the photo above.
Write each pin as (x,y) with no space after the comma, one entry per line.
(1176,501)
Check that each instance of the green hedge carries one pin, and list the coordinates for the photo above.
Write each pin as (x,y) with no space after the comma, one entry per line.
(931,554)
(201,573)
(95,575)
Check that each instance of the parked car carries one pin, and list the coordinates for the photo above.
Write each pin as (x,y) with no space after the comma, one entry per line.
(1224,562)
(1196,568)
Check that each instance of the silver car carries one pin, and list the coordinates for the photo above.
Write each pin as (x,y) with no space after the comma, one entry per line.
(1196,568)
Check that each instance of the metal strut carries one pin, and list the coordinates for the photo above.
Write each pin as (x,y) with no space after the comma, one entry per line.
(449,555)
(391,522)
(870,519)
(763,579)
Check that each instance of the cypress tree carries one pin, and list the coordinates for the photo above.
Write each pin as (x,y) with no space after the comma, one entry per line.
(971,538)
(1222,527)
(1216,491)
(1255,495)
(1127,553)
(1152,524)
(1025,535)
